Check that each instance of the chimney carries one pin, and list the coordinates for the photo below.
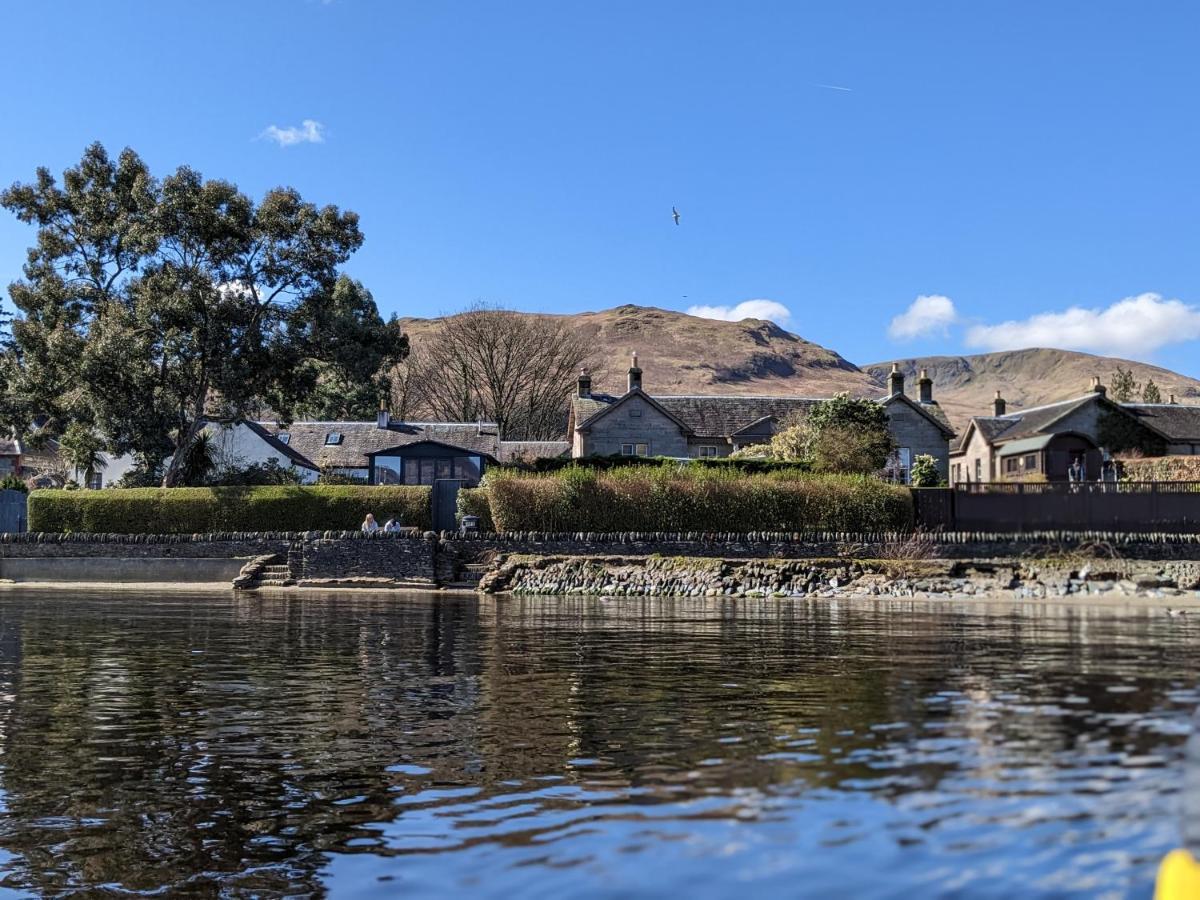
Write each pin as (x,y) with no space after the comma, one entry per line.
(585,384)
(1172,400)
(896,380)
(998,405)
(384,418)
(635,375)
(1097,387)
(925,386)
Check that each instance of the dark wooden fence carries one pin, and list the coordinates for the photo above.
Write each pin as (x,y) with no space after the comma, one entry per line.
(1088,506)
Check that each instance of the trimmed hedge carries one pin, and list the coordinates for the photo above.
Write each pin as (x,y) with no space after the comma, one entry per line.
(670,499)
(748,466)
(202,510)
(1161,468)
(474,502)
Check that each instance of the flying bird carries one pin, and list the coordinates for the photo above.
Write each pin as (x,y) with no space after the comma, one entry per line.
(675,215)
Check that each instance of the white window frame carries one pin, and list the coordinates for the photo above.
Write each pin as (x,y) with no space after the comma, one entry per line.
(707,451)
(635,449)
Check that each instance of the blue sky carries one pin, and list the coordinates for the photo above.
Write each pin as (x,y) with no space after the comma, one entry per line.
(1027,166)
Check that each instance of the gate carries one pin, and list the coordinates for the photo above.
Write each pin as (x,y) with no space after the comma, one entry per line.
(445,504)
(934,508)
(13,511)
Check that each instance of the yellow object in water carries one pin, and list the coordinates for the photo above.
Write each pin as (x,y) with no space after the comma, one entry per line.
(1178,877)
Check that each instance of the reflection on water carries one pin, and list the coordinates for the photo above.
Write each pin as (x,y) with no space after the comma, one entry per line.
(376,745)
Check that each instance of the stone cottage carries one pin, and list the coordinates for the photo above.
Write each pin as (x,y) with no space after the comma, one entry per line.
(636,423)
(1041,443)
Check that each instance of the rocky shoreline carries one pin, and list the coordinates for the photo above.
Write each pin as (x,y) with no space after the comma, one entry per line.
(836,577)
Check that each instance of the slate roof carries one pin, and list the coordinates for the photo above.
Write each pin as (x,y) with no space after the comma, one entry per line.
(1175,421)
(361,438)
(1023,423)
(516,450)
(719,417)
(279,446)
(723,416)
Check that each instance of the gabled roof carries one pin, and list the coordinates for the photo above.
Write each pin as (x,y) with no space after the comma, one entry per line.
(296,457)
(591,420)
(358,439)
(407,445)
(931,411)
(1174,421)
(723,417)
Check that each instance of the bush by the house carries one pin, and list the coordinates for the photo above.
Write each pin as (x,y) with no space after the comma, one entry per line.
(199,510)
(1161,468)
(474,502)
(13,483)
(745,465)
(670,499)
(925,471)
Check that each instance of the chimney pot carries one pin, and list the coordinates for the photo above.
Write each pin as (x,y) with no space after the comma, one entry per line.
(925,386)
(584,384)
(1097,387)
(384,418)
(635,374)
(896,381)
(1172,400)
(999,407)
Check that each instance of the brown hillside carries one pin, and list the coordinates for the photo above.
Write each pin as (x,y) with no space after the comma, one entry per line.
(965,385)
(682,354)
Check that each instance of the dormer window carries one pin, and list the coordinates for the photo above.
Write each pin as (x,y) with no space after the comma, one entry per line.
(283,437)
(333,438)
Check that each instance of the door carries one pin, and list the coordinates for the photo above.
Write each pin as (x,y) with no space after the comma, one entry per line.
(12,511)
(445,504)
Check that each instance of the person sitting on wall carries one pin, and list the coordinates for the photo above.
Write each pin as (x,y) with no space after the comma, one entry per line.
(392,525)
(369,525)
(1075,472)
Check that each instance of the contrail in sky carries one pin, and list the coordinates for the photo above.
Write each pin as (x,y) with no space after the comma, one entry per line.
(834,87)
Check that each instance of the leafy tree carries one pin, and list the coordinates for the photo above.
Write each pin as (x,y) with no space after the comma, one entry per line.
(925,471)
(82,448)
(351,354)
(1151,393)
(1123,387)
(146,304)
(844,434)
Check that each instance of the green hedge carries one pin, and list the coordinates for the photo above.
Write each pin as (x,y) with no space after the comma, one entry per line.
(748,466)
(670,499)
(474,502)
(200,510)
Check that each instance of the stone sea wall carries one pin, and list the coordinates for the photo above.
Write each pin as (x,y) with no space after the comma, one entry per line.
(794,563)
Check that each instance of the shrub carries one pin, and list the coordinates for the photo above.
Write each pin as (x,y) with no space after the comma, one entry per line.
(474,502)
(13,483)
(668,499)
(746,464)
(925,471)
(199,510)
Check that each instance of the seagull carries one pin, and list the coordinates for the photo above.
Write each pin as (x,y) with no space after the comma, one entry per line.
(675,215)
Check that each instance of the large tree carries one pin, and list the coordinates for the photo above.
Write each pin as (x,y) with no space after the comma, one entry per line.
(497,365)
(351,354)
(147,305)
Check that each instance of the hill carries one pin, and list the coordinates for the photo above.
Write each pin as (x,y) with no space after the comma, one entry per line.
(682,354)
(965,385)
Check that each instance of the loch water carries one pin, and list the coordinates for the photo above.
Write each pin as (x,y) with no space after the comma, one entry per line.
(431,745)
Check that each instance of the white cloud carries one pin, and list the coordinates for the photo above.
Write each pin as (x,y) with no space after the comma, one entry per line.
(927,315)
(309,131)
(1135,326)
(747,309)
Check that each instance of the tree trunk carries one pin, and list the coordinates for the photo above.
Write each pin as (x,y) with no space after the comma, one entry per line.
(173,473)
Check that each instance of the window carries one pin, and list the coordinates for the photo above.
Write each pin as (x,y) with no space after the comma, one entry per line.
(979,469)
(898,465)
(635,413)
(706,451)
(955,473)
(1012,465)
(1031,462)
(635,449)
(284,437)
(333,439)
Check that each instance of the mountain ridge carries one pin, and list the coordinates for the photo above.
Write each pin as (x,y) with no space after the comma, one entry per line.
(682,354)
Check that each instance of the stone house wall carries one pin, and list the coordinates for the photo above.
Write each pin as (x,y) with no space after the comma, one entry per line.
(911,429)
(634,421)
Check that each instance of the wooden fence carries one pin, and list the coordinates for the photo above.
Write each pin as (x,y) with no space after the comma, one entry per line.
(1088,506)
